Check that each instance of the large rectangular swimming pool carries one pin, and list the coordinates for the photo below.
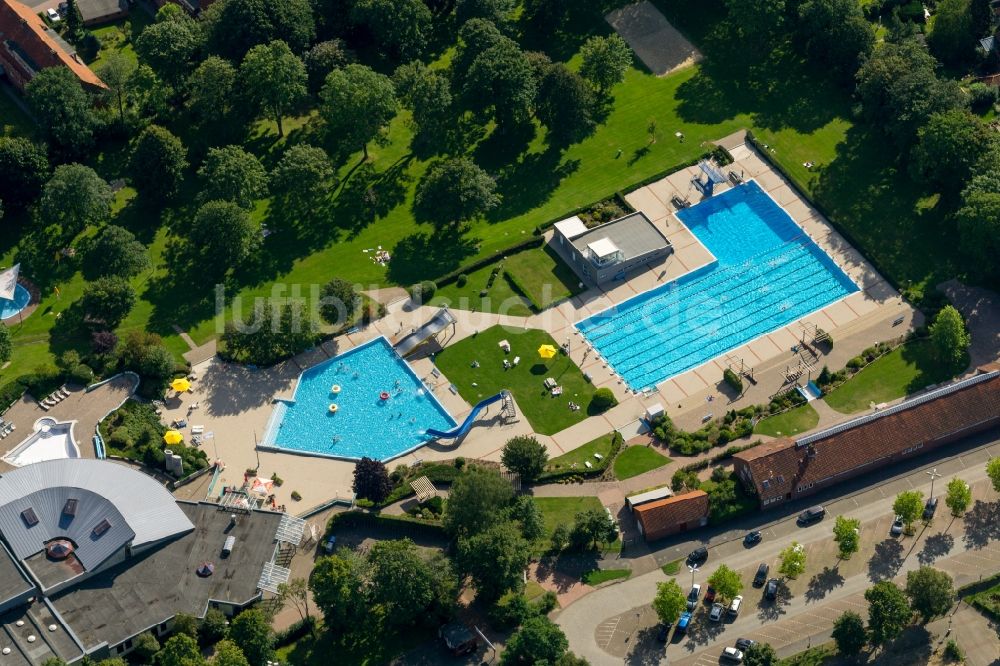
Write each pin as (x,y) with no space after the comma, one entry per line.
(767,273)
(366,402)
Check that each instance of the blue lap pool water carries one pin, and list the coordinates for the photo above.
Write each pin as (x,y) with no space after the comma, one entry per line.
(365,424)
(767,273)
(9,308)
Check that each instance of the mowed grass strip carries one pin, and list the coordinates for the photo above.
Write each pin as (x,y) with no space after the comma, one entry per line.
(546,414)
(583,454)
(636,460)
(903,371)
(792,422)
(598,576)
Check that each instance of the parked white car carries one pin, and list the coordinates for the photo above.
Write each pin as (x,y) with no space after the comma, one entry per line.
(53,15)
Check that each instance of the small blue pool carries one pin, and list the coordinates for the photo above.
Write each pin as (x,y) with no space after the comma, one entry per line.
(767,273)
(365,424)
(9,308)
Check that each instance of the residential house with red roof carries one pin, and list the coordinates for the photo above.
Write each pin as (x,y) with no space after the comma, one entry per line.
(663,517)
(27,46)
(787,469)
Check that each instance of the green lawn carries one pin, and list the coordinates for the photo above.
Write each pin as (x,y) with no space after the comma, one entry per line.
(561,510)
(546,414)
(113,36)
(792,422)
(500,298)
(814,656)
(902,371)
(370,646)
(635,460)
(583,454)
(598,576)
(545,277)
(672,568)
(13,121)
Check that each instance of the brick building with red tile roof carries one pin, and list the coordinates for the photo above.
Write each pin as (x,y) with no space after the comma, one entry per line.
(671,515)
(27,46)
(787,469)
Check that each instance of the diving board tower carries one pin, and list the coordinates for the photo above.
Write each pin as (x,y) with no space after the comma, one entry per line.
(713,177)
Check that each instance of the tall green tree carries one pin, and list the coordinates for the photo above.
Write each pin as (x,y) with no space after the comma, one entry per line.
(179,650)
(274,79)
(74,21)
(958,497)
(993,471)
(526,512)
(952,37)
(793,560)
(117,72)
(979,231)
(157,163)
(116,251)
(669,602)
(846,532)
(605,61)
(538,640)
(339,584)
(948,148)
(371,480)
(251,632)
(849,634)
(476,499)
(170,48)
(339,304)
(232,174)
(498,12)
(525,455)
(233,27)
(24,168)
(210,89)
(6,345)
(108,299)
(760,654)
(981,13)
(758,23)
(62,110)
(304,176)
(427,93)
(908,506)
(727,583)
(322,59)
(74,198)
(401,581)
(888,611)
(591,528)
(223,235)
(838,36)
(453,191)
(931,592)
(227,653)
(565,104)
(400,28)
(899,90)
(495,558)
(948,335)
(501,81)
(357,105)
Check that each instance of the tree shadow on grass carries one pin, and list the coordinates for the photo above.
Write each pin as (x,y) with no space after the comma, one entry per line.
(823,583)
(528,183)
(886,560)
(422,255)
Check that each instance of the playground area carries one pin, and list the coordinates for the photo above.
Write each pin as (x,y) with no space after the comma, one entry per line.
(461,362)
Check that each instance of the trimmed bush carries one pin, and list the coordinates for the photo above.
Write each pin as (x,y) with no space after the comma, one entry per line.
(602,401)
(733,380)
(422,292)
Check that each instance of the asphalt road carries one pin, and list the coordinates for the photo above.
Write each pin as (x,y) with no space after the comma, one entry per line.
(615,624)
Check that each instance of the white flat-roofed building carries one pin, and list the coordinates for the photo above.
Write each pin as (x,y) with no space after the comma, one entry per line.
(609,251)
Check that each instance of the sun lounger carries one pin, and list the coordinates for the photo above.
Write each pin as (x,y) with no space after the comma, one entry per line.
(557,391)
(550,383)
(505,346)
(44,407)
(599,456)
(506,364)
(517,359)
(197,430)
(453,389)
(587,463)
(435,373)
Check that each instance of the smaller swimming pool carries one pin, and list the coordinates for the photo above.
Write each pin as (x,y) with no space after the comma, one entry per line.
(366,402)
(50,441)
(9,308)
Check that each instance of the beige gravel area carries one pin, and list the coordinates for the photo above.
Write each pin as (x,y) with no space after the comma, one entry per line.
(659,45)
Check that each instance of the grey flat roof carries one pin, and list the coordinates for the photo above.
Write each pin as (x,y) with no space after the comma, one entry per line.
(634,235)
(94,9)
(37,618)
(13,582)
(153,587)
(138,508)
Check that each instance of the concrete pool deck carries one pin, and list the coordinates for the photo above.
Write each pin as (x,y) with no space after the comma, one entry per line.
(235,403)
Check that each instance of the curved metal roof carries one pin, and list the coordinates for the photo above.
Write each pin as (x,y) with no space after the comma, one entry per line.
(137,508)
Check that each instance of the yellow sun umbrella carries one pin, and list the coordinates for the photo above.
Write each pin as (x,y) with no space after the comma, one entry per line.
(173,437)
(547,351)
(180,385)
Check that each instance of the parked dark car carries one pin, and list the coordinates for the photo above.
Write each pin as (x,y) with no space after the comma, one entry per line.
(761,576)
(811,515)
(771,590)
(710,595)
(698,556)
(693,596)
(745,643)
(458,638)
(752,538)
(930,508)
(663,632)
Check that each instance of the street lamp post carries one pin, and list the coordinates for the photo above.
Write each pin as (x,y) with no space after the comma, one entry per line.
(693,569)
(933,474)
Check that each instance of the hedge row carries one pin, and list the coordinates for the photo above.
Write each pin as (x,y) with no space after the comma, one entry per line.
(358,518)
(617,443)
(448,278)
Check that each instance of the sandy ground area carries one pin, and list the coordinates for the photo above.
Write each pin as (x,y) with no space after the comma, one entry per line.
(660,46)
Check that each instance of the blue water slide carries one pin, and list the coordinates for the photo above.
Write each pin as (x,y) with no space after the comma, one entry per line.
(455,433)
